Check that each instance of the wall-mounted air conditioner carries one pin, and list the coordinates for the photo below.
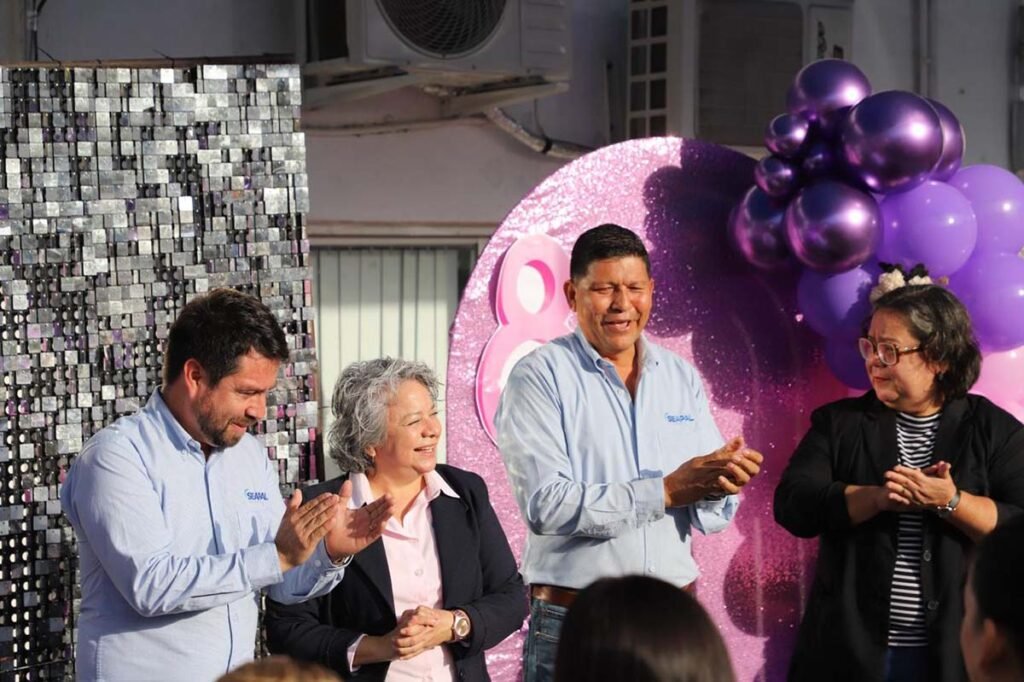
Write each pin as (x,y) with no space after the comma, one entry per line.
(719,70)
(449,43)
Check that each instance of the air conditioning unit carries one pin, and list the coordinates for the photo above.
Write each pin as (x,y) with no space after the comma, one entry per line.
(457,44)
(719,70)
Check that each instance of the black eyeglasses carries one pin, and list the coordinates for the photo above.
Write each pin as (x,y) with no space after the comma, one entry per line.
(888,353)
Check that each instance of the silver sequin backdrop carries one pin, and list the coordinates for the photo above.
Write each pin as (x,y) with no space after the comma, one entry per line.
(124,192)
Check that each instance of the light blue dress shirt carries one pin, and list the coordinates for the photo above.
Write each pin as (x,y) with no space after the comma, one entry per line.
(174,549)
(587,463)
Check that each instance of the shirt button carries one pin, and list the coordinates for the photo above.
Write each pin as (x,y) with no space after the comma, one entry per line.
(932,604)
(419,572)
(927,555)
(650,569)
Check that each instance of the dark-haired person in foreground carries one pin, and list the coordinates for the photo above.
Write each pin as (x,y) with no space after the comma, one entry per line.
(178,514)
(992,634)
(643,630)
(899,484)
(610,445)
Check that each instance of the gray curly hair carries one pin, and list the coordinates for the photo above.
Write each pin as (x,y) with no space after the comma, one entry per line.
(360,407)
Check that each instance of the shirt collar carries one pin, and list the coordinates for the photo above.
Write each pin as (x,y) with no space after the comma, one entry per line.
(362,494)
(643,347)
(176,433)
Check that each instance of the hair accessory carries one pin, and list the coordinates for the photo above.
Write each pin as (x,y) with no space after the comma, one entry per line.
(894,277)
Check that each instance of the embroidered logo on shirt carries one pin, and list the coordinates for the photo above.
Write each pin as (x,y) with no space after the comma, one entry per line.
(677,418)
(256,495)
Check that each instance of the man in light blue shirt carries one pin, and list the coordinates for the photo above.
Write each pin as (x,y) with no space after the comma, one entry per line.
(605,438)
(178,514)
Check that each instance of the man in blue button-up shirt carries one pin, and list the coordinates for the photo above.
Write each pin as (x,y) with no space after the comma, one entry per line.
(178,514)
(605,438)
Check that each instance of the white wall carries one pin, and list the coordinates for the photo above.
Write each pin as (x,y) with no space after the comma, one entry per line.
(972,52)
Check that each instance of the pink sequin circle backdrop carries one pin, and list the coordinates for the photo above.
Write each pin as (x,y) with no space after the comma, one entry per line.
(763,369)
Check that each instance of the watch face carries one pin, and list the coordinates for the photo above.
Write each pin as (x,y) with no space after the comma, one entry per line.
(461,626)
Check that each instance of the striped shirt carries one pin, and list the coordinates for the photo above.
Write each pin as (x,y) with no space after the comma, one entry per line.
(915,437)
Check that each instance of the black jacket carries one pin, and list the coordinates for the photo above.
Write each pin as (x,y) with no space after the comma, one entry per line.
(478,575)
(843,635)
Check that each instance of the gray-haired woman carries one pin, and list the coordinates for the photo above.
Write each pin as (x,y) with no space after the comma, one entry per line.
(898,484)
(441,585)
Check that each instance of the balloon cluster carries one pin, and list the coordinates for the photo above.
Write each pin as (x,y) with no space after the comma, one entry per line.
(855,178)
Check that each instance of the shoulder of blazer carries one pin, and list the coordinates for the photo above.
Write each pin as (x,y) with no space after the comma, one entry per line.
(983,410)
(468,485)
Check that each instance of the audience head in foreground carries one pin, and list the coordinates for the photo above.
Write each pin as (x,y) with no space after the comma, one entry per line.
(640,629)
(992,633)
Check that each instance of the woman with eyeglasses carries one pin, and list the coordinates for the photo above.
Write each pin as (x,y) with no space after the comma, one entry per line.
(898,485)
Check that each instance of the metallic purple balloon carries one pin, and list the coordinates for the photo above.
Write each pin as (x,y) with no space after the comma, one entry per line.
(787,134)
(758,231)
(776,176)
(820,160)
(822,90)
(891,141)
(832,227)
(953,143)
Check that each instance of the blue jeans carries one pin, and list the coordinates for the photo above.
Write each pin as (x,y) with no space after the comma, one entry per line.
(541,647)
(906,664)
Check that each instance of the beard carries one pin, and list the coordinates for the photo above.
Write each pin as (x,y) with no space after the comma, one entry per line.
(217,432)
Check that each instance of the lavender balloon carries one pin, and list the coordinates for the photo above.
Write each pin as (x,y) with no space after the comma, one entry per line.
(892,140)
(757,230)
(824,89)
(991,285)
(776,176)
(837,304)
(832,227)
(786,135)
(997,197)
(843,357)
(953,143)
(932,224)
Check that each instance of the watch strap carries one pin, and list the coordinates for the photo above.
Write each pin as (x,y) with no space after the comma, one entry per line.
(950,507)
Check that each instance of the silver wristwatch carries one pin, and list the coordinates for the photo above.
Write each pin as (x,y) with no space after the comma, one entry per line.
(461,626)
(943,511)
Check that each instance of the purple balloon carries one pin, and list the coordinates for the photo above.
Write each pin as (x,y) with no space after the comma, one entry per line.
(891,141)
(843,357)
(832,227)
(932,224)
(776,176)
(997,197)
(953,143)
(824,89)
(786,134)
(837,305)
(991,285)
(757,230)
(820,159)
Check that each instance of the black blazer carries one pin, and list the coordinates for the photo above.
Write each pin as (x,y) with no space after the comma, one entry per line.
(478,575)
(843,634)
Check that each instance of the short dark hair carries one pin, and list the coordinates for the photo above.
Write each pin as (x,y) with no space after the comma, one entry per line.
(602,242)
(639,629)
(218,328)
(941,324)
(995,581)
